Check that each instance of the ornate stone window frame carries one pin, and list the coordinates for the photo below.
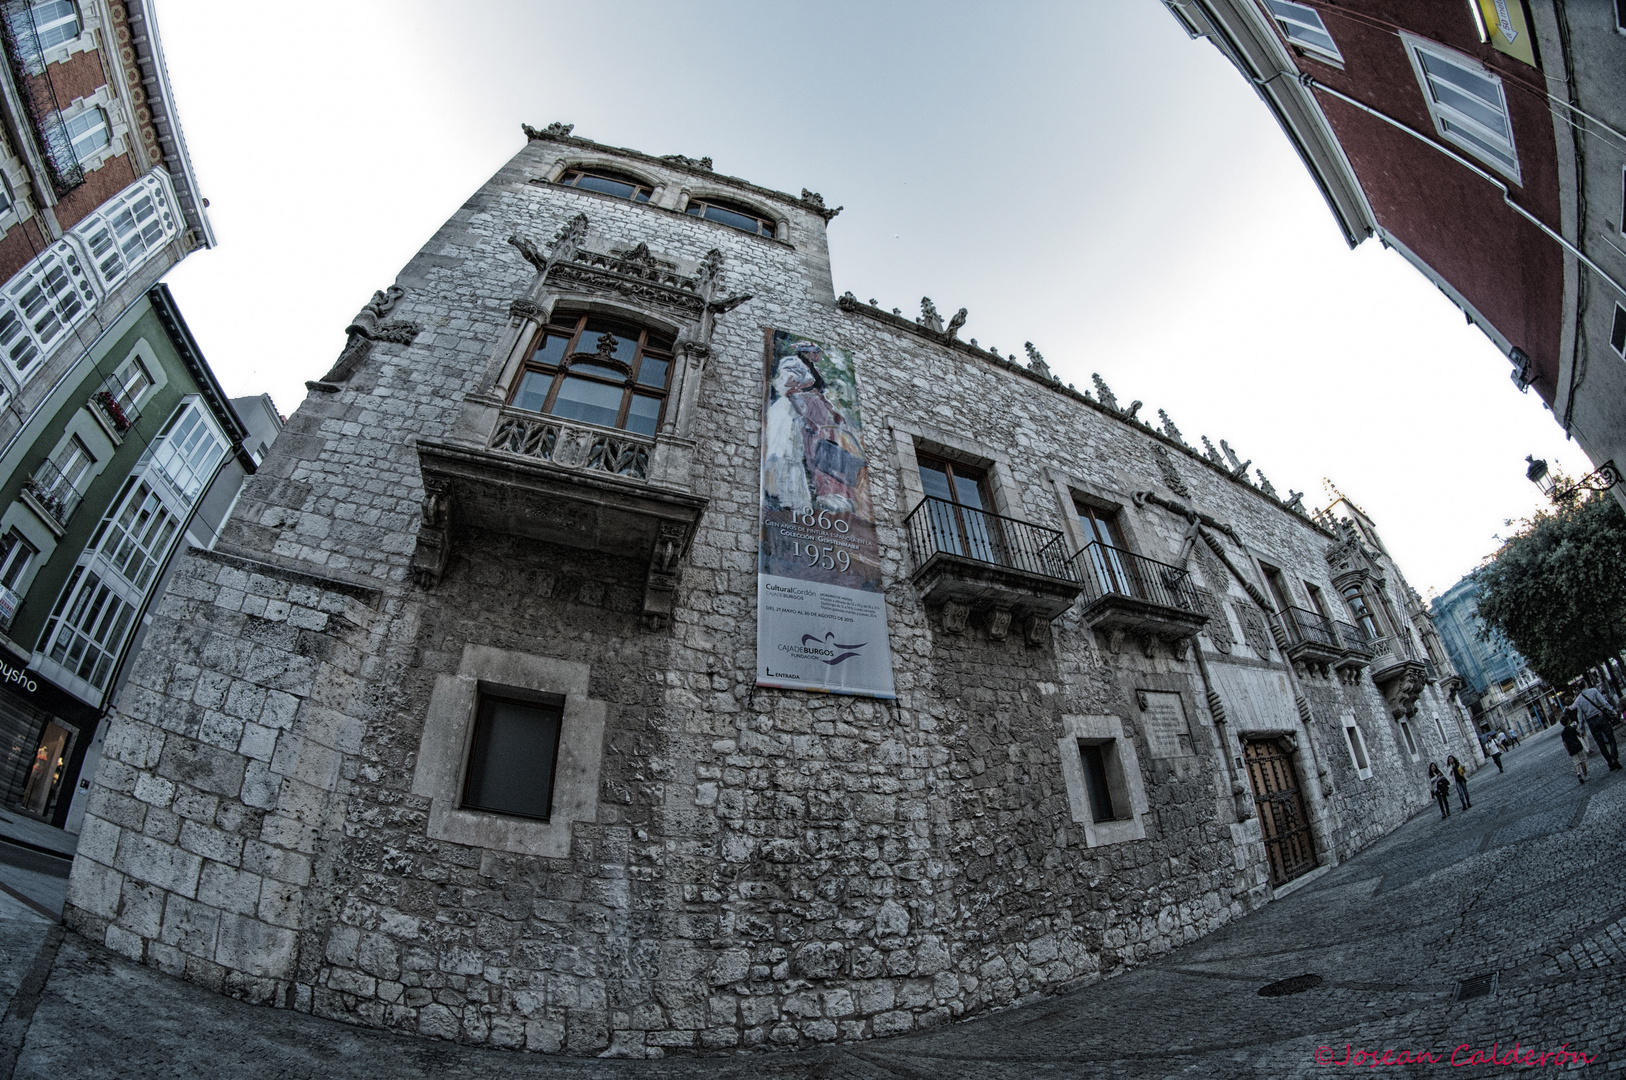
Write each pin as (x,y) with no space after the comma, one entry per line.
(659,188)
(706,193)
(1073,490)
(1123,777)
(448,731)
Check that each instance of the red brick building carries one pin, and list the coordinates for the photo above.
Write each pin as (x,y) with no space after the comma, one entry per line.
(1481,139)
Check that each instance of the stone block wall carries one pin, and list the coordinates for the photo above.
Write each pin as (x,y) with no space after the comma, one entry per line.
(764,868)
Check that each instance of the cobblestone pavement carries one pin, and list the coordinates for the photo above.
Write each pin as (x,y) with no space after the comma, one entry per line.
(1526,884)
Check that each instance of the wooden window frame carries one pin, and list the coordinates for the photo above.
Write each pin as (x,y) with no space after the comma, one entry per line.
(577,349)
(766,226)
(574,173)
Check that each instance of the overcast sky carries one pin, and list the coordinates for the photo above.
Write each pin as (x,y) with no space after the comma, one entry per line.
(1078,175)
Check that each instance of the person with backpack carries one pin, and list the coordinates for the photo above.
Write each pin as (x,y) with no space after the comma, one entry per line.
(1598,713)
(1573,745)
(1456,772)
(1493,750)
(1440,788)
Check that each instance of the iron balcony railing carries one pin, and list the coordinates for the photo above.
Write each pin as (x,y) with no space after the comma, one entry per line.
(1354,638)
(53,491)
(114,402)
(938,526)
(1309,626)
(1106,570)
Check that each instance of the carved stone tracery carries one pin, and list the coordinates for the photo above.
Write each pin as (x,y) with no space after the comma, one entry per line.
(371,325)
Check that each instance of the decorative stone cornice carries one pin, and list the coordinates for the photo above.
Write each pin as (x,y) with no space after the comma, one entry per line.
(852,305)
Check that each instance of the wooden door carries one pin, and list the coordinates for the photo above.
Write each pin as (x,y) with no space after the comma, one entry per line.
(1282,820)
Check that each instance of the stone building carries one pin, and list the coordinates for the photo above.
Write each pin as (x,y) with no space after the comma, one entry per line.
(1131,694)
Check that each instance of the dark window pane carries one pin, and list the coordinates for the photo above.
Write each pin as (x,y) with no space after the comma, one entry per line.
(589,401)
(626,338)
(552,349)
(967,491)
(533,391)
(935,481)
(1095,779)
(581,367)
(694,210)
(606,185)
(658,341)
(642,196)
(652,372)
(1617,334)
(511,764)
(730,217)
(643,414)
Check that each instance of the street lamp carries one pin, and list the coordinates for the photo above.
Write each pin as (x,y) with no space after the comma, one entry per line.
(1602,478)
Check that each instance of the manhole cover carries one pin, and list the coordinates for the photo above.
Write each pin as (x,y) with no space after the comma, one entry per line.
(1296,985)
(1477,987)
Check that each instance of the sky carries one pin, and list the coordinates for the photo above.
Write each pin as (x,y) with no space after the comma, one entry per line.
(1079,175)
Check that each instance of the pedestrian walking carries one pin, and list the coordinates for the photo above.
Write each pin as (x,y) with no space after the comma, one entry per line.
(1493,750)
(1574,746)
(1598,713)
(1454,769)
(1440,788)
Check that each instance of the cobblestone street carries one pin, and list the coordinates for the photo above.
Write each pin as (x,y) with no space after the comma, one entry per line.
(1526,884)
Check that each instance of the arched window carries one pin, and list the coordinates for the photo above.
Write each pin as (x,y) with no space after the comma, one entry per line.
(735,215)
(599,371)
(607,182)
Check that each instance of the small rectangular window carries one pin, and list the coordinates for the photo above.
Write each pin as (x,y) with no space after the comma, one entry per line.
(1358,750)
(1620,16)
(1467,103)
(1411,743)
(1617,335)
(515,747)
(1302,25)
(1095,780)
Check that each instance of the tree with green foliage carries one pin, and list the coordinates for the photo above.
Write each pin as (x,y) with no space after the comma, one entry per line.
(1557,589)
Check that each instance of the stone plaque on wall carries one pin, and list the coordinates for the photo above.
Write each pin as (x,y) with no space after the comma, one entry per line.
(1167,732)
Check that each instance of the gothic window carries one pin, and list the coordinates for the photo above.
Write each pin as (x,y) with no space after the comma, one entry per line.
(608,182)
(1302,25)
(1467,103)
(511,762)
(1363,614)
(734,215)
(599,371)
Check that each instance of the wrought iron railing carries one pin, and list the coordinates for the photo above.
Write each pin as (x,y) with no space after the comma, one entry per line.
(9,603)
(1308,626)
(115,403)
(1106,570)
(54,491)
(1354,638)
(26,57)
(940,526)
(572,444)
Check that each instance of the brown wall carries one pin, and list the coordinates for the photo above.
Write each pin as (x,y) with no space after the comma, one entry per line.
(113,176)
(1453,220)
(20,244)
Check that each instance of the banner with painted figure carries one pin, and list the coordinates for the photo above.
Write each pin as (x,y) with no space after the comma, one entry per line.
(821,614)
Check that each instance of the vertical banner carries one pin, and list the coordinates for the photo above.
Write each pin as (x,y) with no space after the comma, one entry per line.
(821,615)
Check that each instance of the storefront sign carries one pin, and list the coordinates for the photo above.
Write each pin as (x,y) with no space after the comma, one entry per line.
(17,678)
(821,614)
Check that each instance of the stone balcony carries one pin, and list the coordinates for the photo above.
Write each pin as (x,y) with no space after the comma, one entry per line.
(560,482)
(968,560)
(1311,640)
(1129,594)
(1356,656)
(1399,674)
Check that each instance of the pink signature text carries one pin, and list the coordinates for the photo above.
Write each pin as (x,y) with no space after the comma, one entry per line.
(1464,1054)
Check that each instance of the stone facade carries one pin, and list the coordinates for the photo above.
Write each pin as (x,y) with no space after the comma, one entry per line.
(278,815)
